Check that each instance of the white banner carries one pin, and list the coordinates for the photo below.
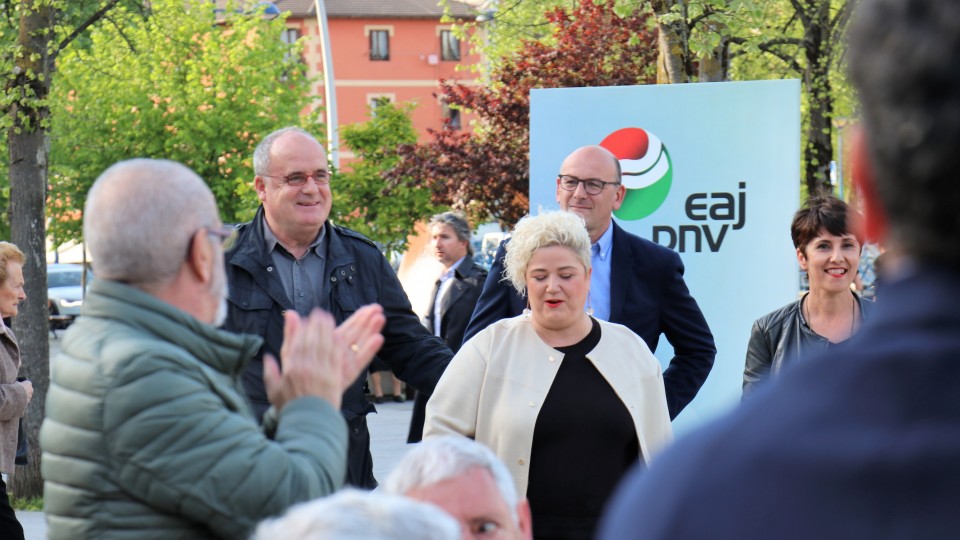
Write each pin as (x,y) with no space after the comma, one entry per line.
(713,172)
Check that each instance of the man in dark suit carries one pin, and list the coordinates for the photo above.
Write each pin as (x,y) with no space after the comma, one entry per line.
(862,440)
(635,282)
(454,295)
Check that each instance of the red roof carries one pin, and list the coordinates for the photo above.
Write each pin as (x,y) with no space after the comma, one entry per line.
(407,9)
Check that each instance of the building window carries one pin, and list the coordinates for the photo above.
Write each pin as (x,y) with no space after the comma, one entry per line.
(451,117)
(449,45)
(289,36)
(379,45)
(375,101)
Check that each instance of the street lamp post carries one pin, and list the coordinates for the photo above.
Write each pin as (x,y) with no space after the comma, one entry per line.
(329,90)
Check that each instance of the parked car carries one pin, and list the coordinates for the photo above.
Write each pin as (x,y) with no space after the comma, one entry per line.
(65,293)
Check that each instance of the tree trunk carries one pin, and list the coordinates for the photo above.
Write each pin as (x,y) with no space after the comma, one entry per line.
(819,148)
(715,66)
(674,65)
(28,151)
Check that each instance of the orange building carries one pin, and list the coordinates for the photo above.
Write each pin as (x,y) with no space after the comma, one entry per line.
(384,49)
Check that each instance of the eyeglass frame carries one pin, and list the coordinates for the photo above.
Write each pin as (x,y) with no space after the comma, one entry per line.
(225,234)
(584,182)
(285,180)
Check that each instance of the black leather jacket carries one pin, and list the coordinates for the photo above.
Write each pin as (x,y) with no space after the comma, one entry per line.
(782,335)
(357,274)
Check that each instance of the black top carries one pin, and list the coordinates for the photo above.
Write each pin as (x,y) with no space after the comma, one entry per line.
(583,443)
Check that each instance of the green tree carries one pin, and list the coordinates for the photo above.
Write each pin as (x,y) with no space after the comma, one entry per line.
(33,34)
(486,173)
(173,84)
(698,40)
(363,203)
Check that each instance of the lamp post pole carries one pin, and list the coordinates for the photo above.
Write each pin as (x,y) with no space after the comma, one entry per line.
(329,91)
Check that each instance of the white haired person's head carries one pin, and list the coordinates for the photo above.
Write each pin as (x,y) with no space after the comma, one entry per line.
(352,514)
(466,479)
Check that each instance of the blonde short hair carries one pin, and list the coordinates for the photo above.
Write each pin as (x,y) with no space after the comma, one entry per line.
(8,253)
(560,228)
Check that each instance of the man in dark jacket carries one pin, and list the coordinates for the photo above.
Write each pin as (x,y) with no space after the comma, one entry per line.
(634,282)
(861,440)
(454,295)
(290,257)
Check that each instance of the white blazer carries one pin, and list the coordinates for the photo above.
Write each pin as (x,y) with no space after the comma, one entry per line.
(494,388)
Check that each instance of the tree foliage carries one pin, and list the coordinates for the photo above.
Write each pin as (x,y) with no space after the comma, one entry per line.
(485,173)
(360,201)
(702,40)
(173,84)
(33,34)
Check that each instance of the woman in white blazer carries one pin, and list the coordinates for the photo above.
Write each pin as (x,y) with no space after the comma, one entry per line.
(568,402)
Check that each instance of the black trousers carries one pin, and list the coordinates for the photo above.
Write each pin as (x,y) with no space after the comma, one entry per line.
(10,528)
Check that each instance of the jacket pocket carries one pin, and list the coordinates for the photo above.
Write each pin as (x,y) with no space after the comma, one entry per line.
(249,311)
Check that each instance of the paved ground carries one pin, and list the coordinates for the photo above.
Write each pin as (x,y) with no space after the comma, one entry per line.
(388,436)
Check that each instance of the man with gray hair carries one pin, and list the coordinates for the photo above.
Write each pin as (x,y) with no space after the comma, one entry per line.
(352,514)
(292,258)
(468,481)
(454,295)
(147,433)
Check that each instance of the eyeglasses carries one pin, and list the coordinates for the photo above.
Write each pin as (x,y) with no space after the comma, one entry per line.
(299,179)
(593,186)
(226,234)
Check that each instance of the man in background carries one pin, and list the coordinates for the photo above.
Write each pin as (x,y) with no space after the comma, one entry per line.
(862,440)
(454,295)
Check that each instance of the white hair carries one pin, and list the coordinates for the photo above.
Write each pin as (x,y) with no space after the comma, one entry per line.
(140,216)
(352,514)
(441,458)
(560,228)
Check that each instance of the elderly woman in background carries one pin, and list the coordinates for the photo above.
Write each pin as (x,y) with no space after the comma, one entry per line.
(14,395)
(568,402)
(829,251)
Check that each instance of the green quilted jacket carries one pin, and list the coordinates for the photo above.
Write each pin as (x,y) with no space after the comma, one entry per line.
(147,433)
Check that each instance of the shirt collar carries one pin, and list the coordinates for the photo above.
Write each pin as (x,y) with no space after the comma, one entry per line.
(272,242)
(449,272)
(606,242)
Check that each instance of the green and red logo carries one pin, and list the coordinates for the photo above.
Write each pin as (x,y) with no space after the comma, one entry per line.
(647,171)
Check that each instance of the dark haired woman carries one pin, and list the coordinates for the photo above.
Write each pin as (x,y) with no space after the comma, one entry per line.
(829,251)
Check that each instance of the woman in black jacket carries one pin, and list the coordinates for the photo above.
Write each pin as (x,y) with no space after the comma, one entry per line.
(828,249)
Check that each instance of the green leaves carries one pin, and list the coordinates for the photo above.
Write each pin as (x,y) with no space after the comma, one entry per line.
(173,84)
(486,172)
(361,199)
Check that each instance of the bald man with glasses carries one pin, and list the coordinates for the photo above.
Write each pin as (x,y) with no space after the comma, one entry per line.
(635,282)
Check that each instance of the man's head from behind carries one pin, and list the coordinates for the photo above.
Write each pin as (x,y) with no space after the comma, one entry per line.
(904,63)
(468,481)
(151,224)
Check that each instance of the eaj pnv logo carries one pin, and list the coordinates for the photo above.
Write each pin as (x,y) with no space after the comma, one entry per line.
(646,168)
